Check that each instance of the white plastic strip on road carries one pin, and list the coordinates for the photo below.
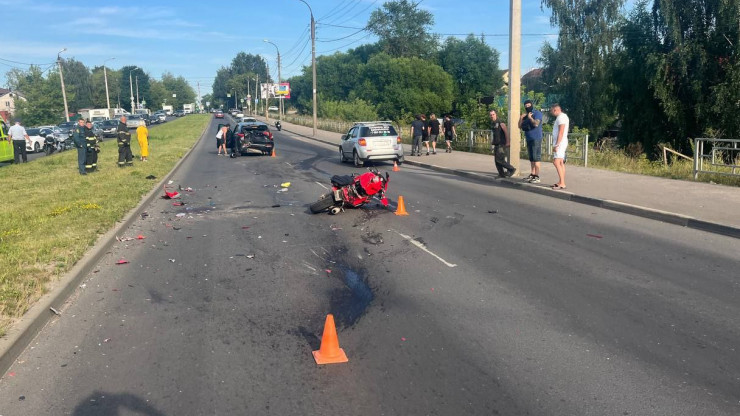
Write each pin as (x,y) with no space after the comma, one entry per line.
(321,185)
(423,247)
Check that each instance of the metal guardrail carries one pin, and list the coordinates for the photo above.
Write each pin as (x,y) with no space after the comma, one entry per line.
(723,157)
(337,126)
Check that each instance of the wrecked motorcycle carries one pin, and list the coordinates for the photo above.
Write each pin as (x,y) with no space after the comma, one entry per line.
(352,191)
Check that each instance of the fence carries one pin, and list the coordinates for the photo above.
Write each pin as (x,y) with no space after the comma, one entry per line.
(336,126)
(723,157)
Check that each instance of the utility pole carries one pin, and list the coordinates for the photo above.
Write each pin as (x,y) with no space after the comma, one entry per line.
(280,97)
(256,89)
(313,63)
(267,94)
(131,87)
(199,103)
(107,95)
(249,100)
(61,77)
(515,63)
(137,92)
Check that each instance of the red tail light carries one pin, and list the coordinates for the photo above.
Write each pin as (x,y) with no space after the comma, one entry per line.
(398,139)
(240,135)
(362,142)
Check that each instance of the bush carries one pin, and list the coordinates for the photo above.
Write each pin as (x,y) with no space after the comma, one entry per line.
(354,110)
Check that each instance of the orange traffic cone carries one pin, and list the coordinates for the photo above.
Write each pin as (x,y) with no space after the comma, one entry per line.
(273,152)
(395,167)
(330,353)
(401,210)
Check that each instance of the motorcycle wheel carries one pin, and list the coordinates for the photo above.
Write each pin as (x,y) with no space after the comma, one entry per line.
(322,204)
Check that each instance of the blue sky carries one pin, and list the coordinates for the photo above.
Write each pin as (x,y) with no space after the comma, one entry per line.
(195,38)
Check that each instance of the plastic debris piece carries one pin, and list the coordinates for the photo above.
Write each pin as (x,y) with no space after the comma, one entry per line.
(285,184)
(172,260)
(169,182)
(180,215)
(22,398)
(122,261)
(334,228)
(276,206)
(11,374)
(493,211)
(140,237)
(259,236)
(328,271)
(188,189)
(107,340)
(283,190)
(250,256)
(245,227)
(56,312)
(403,339)
(151,177)
(178,204)
(595,236)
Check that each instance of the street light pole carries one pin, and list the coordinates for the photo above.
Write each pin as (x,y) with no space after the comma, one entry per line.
(515,63)
(61,77)
(313,62)
(131,87)
(137,92)
(280,98)
(105,75)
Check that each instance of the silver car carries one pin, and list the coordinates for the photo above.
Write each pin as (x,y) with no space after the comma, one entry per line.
(134,120)
(371,141)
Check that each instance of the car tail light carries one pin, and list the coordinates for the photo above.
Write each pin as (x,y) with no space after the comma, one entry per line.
(240,135)
(269,135)
(398,139)
(362,142)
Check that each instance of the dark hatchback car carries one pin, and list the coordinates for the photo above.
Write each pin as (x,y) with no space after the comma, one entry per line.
(218,114)
(110,128)
(253,138)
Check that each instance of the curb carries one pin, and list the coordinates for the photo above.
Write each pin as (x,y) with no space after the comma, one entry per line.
(625,208)
(21,334)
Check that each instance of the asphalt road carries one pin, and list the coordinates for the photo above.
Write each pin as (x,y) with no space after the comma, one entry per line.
(484,301)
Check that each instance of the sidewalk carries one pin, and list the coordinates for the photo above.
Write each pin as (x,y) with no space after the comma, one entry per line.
(699,205)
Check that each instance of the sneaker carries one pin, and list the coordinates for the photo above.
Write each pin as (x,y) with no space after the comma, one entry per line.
(511,173)
(528,178)
(434,152)
(535,179)
(427,153)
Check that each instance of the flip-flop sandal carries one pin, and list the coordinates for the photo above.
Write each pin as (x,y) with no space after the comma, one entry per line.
(556,187)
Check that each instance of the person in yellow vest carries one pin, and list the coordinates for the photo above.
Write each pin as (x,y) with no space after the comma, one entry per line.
(142,135)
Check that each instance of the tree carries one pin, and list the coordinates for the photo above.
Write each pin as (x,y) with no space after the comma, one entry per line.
(473,66)
(403,29)
(579,67)
(44,103)
(78,83)
(97,78)
(184,93)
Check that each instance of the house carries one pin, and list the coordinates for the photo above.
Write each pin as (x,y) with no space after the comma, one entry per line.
(7,102)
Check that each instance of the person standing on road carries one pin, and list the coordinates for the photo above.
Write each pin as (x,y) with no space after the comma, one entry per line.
(142,136)
(19,138)
(560,143)
(425,133)
(417,128)
(433,132)
(80,143)
(531,125)
(91,143)
(125,157)
(500,143)
(449,130)
(221,139)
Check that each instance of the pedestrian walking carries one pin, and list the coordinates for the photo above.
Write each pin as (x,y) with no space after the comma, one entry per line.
(500,143)
(125,157)
(425,133)
(80,143)
(416,131)
(449,131)
(142,136)
(560,143)
(221,139)
(19,137)
(531,124)
(433,132)
(91,148)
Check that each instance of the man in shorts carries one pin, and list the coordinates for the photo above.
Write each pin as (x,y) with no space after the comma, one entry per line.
(425,133)
(560,143)
(433,132)
(449,130)
(531,124)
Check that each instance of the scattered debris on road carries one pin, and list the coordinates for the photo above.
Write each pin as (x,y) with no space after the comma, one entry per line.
(595,236)
(493,211)
(122,261)
(56,312)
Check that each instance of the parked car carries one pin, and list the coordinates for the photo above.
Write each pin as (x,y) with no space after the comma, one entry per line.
(218,114)
(272,108)
(67,127)
(371,141)
(178,113)
(239,115)
(254,137)
(98,130)
(109,127)
(37,141)
(133,121)
(160,116)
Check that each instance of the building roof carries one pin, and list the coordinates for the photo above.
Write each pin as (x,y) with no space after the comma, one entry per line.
(5,91)
(535,73)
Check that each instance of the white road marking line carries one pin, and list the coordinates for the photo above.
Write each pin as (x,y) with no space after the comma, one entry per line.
(423,247)
(288,164)
(321,185)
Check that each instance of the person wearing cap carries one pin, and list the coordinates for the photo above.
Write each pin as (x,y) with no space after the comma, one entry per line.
(19,138)
(142,136)
(91,144)
(125,157)
(80,142)
(531,124)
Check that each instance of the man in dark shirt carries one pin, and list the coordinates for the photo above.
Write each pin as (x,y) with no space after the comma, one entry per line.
(425,133)
(125,157)
(500,142)
(417,131)
(531,124)
(449,130)
(78,137)
(433,132)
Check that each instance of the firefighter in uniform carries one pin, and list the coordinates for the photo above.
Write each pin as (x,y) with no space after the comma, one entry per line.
(125,157)
(91,148)
(78,137)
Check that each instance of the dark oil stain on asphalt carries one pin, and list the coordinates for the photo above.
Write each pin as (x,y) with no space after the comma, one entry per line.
(348,304)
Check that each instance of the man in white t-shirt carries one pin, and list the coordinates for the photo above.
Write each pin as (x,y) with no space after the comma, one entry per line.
(560,143)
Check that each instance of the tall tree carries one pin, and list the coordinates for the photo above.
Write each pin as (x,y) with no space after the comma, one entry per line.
(403,29)
(579,66)
(43,104)
(473,66)
(78,83)
(97,78)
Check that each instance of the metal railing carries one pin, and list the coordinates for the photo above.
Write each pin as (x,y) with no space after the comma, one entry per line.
(577,147)
(337,126)
(723,157)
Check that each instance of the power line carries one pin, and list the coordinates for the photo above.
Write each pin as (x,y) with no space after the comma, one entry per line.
(299,53)
(25,63)
(337,17)
(349,44)
(363,10)
(332,11)
(293,48)
(344,37)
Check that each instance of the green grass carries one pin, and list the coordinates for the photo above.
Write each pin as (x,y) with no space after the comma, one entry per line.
(51,215)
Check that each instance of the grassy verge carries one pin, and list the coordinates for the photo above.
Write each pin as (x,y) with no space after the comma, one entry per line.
(51,215)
